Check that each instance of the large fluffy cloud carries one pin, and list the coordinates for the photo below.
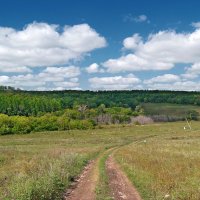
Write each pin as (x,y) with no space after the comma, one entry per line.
(43,45)
(115,82)
(166,78)
(178,86)
(194,69)
(51,77)
(161,51)
(172,82)
(132,62)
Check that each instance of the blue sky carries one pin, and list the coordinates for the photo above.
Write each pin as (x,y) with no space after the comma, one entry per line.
(100,44)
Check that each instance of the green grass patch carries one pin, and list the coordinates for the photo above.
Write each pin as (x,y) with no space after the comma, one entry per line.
(175,110)
(166,164)
(42,165)
(102,189)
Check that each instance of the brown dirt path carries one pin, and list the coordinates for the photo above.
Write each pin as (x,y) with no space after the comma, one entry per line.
(84,187)
(120,186)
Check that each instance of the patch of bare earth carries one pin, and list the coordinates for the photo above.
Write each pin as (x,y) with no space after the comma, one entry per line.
(84,187)
(121,188)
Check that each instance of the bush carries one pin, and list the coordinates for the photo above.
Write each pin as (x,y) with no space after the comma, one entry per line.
(65,120)
(21,125)
(6,125)
(81,124)
(140,120)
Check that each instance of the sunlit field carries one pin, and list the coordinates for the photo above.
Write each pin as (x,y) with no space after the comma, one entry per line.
(42,165)
(165,166)
(160,159)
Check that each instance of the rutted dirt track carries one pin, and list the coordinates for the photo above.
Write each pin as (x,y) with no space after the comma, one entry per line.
(84,187)
(120,187)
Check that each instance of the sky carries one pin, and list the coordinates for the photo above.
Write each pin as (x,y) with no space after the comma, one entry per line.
(100,44)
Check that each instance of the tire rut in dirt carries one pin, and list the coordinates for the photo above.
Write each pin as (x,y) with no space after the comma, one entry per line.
(84,187)
(121,188)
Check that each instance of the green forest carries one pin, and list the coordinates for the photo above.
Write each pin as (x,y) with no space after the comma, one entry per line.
(33,103)
(32,111)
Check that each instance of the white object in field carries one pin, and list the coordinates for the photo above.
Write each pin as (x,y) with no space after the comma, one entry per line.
(167,196)
(145,141)
(184,128)
(188,124)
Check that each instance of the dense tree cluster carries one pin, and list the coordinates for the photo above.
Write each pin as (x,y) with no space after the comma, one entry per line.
(27,111)
(24,103)
(67,119)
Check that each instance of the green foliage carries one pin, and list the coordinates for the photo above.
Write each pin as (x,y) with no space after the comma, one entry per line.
(29,103)
(24,112)
(68,119)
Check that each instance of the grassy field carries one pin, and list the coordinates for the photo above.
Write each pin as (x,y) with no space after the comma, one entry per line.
(168,109)
(165,166)
(42,165)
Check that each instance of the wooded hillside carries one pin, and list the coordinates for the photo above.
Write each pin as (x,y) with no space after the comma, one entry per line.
(32,103)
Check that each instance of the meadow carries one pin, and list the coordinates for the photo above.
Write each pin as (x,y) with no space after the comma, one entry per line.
(174,110)
(165,166)
(42,165)
(160,159)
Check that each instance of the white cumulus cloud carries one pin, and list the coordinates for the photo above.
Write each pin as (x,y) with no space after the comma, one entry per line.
(178,86)
(194,69)
(132,42)
(65,77)
(166,78)
(45,45)
(161,51)
(196,24)
(94,68)
(114,83)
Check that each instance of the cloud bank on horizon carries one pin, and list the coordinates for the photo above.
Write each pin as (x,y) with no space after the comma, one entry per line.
(45,56)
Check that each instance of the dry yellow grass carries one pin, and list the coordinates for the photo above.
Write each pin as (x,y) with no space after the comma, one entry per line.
(165,166)
(41,165)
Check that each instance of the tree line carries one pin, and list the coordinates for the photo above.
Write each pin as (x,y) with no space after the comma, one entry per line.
(34,103)
(80,117)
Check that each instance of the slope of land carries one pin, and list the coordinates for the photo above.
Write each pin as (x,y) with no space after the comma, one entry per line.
(43,165)
(174,110)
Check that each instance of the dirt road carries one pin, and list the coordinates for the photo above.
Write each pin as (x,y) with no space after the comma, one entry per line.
(119,185)
(84,187)
(121,188)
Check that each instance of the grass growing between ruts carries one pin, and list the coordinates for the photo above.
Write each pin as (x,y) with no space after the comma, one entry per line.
(102,189)
(166,166)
